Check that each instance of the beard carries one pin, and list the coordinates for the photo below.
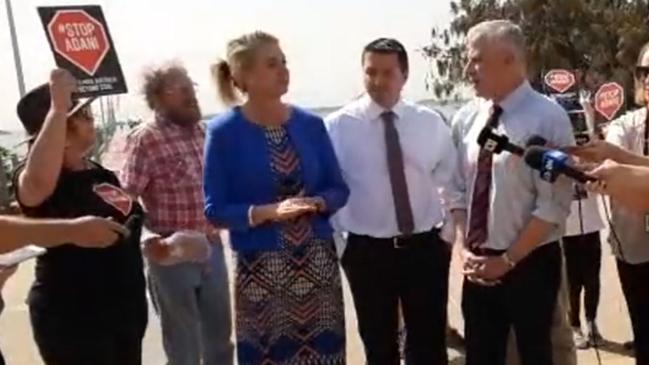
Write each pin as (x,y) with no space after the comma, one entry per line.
(184,116)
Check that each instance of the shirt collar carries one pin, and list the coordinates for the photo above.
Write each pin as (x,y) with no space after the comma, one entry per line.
(516,96)
(370,110)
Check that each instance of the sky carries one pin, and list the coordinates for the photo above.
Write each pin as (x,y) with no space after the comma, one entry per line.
(322,40)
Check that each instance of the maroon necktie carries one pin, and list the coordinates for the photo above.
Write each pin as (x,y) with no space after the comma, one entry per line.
(402,207)
(478,220)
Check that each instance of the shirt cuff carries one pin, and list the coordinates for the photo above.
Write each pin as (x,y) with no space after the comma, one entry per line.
(250,221)
(551,214)
(147,234)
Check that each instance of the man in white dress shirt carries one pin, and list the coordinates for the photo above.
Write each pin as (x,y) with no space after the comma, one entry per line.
(507,219)
(394,155)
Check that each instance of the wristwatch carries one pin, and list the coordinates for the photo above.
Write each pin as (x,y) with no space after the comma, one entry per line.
(508,260)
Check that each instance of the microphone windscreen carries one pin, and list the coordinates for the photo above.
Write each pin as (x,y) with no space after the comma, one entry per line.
(534,156)
(536,140)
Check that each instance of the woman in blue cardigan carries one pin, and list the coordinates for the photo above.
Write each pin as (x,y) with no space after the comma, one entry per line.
(272,179)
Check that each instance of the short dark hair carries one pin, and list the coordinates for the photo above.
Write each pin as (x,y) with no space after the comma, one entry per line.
(389,46)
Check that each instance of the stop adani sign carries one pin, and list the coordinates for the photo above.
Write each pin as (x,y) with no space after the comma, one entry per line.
(609,99)
(81,42)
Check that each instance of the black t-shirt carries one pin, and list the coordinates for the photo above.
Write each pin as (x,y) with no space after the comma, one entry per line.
(90,285)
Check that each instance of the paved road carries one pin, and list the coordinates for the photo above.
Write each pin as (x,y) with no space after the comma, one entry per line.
(16,340)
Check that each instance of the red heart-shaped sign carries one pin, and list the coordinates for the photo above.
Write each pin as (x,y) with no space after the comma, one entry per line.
(115,197)
(609,99)
(560,80)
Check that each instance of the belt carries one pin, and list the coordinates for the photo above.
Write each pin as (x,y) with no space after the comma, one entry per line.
(402,241)
(482,251)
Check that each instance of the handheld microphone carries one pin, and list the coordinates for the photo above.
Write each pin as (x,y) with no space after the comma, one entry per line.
(551,163)
(493,142)
(536,140)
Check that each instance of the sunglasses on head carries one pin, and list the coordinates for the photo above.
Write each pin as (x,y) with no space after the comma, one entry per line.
(641,72)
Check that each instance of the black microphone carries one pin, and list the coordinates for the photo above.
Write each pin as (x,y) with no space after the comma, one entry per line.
(493,142)
(536,140)
(551,163)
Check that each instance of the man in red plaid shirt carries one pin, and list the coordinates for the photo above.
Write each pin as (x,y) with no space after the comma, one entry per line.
(187,273)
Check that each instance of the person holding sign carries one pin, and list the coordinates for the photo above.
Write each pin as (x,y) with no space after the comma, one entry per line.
(627,141)
(17,232)
(87,305)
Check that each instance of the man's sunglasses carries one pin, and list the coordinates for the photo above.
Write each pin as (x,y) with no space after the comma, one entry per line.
(641,72)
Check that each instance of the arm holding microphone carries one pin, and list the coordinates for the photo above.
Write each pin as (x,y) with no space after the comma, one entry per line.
(627,184)
(599,151)
(622,174)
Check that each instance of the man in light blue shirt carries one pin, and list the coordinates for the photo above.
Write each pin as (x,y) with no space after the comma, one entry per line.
(506,217)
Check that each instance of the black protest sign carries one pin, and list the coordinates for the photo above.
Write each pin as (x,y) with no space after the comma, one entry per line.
(81,43)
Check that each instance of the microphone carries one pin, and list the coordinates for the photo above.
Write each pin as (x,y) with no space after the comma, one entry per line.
(551,163)
(536,140)
(493,142)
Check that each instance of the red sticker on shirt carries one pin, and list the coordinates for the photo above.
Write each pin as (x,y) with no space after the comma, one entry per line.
(115,197)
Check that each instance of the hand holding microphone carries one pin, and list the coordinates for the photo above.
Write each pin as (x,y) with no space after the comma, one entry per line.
(550,162)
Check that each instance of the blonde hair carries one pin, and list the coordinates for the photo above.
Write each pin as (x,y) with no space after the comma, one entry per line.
(638,84)
(227,72)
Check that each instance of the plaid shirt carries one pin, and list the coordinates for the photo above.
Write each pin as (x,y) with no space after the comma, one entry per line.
(164,168)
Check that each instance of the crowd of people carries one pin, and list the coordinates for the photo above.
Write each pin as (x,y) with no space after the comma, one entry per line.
(387,178)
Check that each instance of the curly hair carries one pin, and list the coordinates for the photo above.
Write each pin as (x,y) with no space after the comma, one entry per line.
(156,77)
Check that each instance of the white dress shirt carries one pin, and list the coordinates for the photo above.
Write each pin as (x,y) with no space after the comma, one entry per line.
(429,157)
(517,192)
(630,243)
(584,216)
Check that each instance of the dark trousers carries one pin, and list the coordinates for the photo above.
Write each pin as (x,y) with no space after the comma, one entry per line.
(415,273)
(525,300)
(62,342)
(635,285)
(583,255)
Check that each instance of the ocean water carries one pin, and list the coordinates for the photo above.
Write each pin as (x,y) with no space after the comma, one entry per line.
(11,139)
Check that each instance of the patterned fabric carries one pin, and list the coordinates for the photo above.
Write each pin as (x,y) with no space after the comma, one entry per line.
(164,166)
(289,302)
(478,224)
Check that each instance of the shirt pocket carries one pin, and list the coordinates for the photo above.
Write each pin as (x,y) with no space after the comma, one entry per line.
(179,172)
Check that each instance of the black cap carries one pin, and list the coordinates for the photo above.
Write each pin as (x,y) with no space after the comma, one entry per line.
(34,106)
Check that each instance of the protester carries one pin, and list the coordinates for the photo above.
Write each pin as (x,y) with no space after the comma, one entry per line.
(88,232)
(188,278)
(583,253)
(629,232)
(512,258)
(272,179)
(394,155)
(87,305)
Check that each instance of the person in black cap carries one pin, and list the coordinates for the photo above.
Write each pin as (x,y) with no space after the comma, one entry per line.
(87,305)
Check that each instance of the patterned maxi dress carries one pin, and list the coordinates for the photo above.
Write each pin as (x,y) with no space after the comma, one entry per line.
(289,306)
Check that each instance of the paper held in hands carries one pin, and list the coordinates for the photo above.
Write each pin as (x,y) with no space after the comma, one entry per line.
(20,255)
